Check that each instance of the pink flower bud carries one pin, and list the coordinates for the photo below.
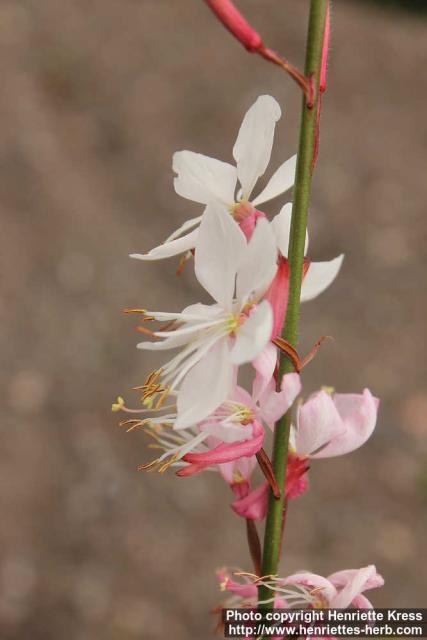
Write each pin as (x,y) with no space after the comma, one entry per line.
(233,20)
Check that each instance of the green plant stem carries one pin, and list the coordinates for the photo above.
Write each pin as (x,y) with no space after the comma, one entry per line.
(302,190)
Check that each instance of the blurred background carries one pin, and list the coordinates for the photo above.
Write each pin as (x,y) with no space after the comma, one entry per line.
(95,98)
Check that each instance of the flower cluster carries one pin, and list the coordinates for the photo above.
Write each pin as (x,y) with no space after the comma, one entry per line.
(194,406)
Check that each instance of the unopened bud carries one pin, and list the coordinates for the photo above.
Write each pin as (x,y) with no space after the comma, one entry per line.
(233,20)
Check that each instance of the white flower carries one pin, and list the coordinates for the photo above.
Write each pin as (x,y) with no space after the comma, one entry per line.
(203,179)
(215,338)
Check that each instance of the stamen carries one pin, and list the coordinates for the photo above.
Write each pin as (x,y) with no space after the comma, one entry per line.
(118,405)
(147,332)
(163,397)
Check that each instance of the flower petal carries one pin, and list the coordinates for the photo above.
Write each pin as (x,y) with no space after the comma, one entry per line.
(359,416)
(219,250)
(281,224)
(319,276)
(252,149)
(357,582)
(253,335)
(227,452)
(307,579)
(264,364)
(282,180)
(188,224)
(275,404)
(243,590)
(318,422)
(203,179)
(169,249)
(229,432)
(259,264)
(254,505)
(238,470)
(340,578)
(205,386)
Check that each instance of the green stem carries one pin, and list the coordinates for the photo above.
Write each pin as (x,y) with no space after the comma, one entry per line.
(302,190)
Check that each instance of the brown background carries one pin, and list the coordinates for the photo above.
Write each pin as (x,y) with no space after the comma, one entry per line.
(95,97)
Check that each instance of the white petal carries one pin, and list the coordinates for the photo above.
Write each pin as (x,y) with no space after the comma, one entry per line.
(202,179)
(259,263)
(164,345)
(188,224)
(282,180)
(169,249)
(253,335)
(205,386)
(319,276)
(252,150)
(219,250)
(281,225)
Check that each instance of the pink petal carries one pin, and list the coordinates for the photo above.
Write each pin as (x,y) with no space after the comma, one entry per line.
(277,295)
(243,590)
(326,589)
(296,477)
(190,470)
(241,469)
(248,222)
(318,422)
(355,583)
(254,505)
(373,579)
(359,415)
(362,602)
(226,452)
(275,404)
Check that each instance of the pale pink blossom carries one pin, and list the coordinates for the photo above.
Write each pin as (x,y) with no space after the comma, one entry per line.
(326,426)
(340,590)
(227,445)
(331,425)
(303,590)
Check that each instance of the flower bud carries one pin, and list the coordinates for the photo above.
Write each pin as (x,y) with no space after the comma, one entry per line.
(233,20)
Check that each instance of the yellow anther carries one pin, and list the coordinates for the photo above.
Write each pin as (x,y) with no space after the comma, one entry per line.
(329,390)
(118,405)
(148,402)
(238,477)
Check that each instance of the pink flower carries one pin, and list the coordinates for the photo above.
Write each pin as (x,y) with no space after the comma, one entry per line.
(327,426)
(303,589)
(332,425)
(264,406)
(340,590)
